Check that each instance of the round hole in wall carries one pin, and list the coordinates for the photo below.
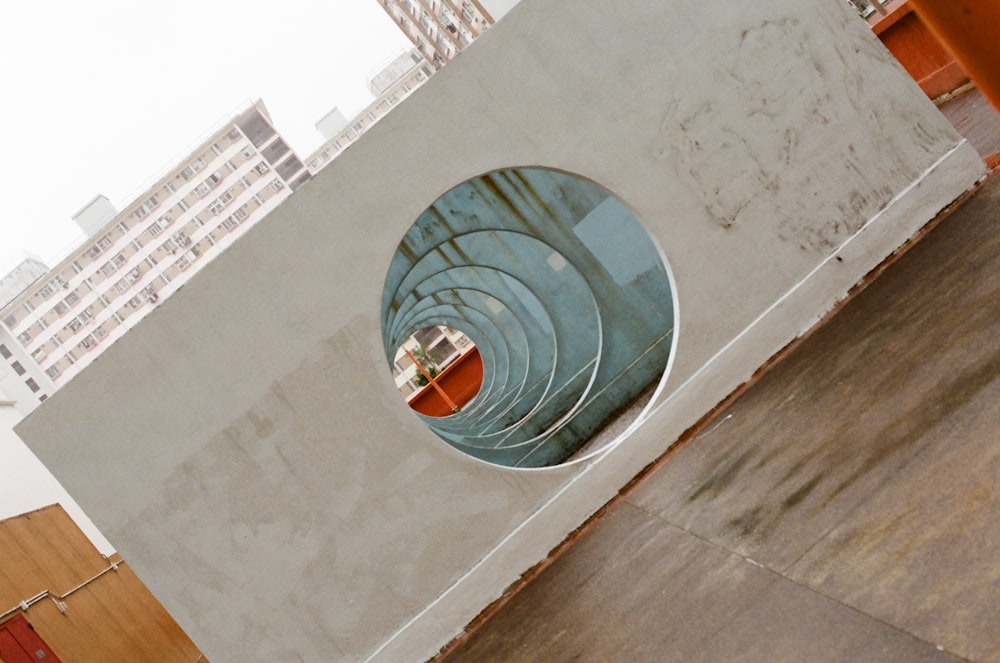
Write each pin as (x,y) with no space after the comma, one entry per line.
(564,296)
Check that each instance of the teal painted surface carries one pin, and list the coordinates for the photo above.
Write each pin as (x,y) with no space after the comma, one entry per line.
(562,291)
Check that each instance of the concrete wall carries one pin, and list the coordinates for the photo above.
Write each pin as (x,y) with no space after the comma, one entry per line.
(26,485)
(774,150)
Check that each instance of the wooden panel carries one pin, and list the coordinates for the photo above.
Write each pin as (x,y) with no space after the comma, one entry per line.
(113,618)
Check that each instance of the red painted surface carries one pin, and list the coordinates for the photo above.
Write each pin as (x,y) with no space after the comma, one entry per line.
(20,644)
(971,31)
(922,55)
(461,381)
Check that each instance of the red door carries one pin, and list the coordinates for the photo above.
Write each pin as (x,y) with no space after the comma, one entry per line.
(20,644)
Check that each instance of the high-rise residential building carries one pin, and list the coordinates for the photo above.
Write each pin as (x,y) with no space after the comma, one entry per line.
(140,255)
(439,29)
(390,85)
(21,379)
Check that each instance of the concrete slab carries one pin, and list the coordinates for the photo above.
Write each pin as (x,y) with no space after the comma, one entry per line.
(245,447)
(636,588)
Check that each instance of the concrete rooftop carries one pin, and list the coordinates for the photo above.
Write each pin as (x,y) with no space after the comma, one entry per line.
(842,509)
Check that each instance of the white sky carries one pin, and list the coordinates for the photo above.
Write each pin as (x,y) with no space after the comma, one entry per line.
(102,96)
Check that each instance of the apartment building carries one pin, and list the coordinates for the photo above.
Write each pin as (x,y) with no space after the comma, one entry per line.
(390,85)
(135,258)
(439,29)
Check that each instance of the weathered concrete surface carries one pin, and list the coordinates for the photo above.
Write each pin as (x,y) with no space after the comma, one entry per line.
(859,475)
(245,447)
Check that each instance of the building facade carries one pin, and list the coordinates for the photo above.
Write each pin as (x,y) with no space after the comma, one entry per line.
(148,250)
(439,29)
(391,85)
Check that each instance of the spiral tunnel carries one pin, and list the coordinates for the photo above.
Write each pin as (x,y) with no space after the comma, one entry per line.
(564,294)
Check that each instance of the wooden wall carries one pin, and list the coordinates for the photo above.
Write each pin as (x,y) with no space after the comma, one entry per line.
(113,618)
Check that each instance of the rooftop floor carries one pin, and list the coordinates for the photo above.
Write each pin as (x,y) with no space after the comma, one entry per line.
(844,508)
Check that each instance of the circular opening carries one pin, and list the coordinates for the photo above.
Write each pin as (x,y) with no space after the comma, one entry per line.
(560,292)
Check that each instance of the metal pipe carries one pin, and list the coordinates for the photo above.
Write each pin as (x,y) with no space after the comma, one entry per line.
(27,603)
(970,29)
(450,403)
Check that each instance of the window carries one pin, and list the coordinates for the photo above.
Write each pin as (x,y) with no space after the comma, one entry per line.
(187,173)
(18,368)
(24,338)
(151,261)
(139,212)
(198,223)
(121,285)
(108,269)
(52,371)
(60,308)
(4,352)
(197,164)
(241,213)
(104,242)
(261,168)
(216,206)
(118,260)
(181,238)
(32,385)
(151,203)
(71,299)
(225,197)
(154,229)
(93,251)
(74,325)
(136,244)
(46,291)
(248,151)
(233,134)
(166,219)
(214,178)
(28,306)
(277,185)
(123,227)
(229,223)
(202,189)
(76,267)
